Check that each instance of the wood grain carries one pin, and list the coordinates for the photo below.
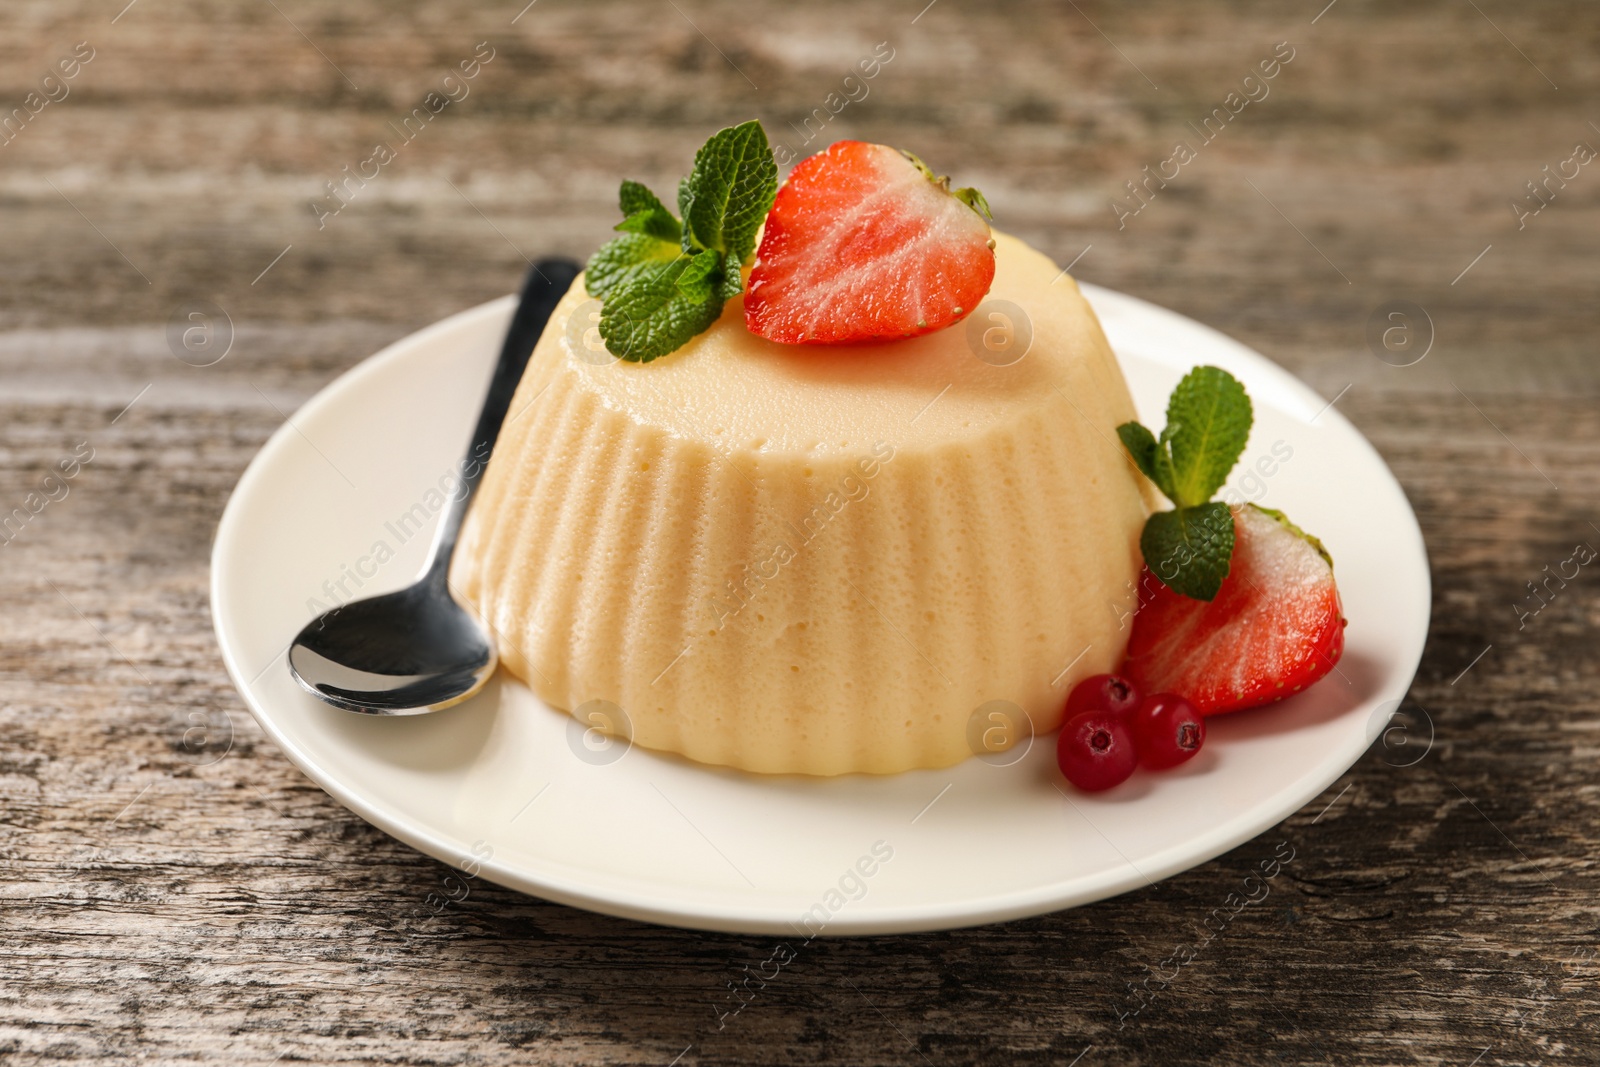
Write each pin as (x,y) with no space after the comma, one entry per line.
(165,904)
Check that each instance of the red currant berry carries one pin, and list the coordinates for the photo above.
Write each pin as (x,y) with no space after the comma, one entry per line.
(1111,692)
(1167,730)
(1096,750)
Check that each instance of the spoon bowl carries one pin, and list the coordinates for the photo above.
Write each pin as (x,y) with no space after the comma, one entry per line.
(403,653)
(419,649)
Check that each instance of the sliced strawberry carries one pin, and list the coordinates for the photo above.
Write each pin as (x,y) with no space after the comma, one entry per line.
(863,243)
(1275,627)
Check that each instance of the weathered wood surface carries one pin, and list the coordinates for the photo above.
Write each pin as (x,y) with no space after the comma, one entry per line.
(159,906)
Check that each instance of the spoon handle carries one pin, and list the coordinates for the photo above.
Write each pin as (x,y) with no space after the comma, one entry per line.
(547,282)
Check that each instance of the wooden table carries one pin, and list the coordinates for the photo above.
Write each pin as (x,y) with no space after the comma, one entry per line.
(162,902)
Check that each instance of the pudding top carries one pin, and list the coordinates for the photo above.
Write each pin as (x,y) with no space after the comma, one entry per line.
(1032,341)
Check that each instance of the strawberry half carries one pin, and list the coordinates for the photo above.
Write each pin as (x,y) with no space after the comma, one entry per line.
(863,243)
(1275,626)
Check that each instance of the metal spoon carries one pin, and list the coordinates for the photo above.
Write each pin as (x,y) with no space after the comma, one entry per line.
(418,650)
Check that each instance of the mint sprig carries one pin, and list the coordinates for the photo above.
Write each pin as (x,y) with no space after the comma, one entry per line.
(1208,422)
(665,279)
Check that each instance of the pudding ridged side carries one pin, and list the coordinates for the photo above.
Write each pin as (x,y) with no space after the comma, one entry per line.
(788,613)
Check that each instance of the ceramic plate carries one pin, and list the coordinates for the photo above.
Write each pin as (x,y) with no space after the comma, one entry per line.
(507,788)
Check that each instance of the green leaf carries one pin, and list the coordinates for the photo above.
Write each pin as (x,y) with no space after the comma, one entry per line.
(1189,549)
(1208,423)
(699,278)
(1141,445)
(644,213)
(656,222)
(650,316)
(731,282)
(1149,454)
(635,197)
(727,195)
(622,259)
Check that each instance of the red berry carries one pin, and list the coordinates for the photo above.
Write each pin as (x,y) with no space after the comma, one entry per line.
(1112,692)
(1167,730)
(1275,627)
(863,244)
(1096,751)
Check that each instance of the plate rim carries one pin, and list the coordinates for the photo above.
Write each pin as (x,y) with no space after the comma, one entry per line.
(755,918)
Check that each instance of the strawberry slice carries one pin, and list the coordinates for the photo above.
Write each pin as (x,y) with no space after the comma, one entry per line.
(1275,626)
(863,243)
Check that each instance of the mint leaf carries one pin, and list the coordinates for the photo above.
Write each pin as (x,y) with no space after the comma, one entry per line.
(1149,454)
(699,278)
(732,281)
(644,213)
(1189,548)
(655,222)
(1141,445)
(1208,420)
(635,197)
(727,195)
(1208,423)
(650,316)
(622,259)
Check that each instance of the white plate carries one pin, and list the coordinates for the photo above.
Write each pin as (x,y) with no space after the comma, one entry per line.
(496,784)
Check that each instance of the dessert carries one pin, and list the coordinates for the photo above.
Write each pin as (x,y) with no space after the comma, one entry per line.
(805,558)
(809,480)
